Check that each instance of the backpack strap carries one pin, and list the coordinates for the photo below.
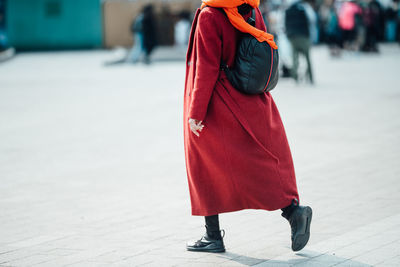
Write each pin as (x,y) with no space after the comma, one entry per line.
(252,19)
(252,22)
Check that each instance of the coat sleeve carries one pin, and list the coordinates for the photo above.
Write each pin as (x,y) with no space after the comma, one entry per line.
(209,49)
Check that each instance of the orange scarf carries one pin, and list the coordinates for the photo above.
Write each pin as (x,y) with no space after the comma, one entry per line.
(230,7)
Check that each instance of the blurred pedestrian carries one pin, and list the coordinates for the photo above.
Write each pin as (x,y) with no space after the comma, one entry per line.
(391,17)
(237,154)
(276,17)
(372,20)
(349,13)
(144,31)
(398,24)
(331,28)
(6,51)
(379,11)
(323,17)
(297,28)
(312,17)
(182,31)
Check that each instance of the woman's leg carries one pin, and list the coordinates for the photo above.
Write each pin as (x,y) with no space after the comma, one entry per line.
(287,211)
(212,227)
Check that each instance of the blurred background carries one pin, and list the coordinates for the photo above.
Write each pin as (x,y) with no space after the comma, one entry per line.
(27,25)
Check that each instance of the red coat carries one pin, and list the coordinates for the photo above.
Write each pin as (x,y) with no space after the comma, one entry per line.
(242,158)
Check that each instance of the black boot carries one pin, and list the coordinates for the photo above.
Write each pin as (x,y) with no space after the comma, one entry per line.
(212,241)
(299,218)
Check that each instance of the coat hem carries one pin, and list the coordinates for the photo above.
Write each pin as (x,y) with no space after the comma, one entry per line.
(215,212)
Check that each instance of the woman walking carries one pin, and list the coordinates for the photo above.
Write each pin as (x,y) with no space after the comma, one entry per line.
(237,154)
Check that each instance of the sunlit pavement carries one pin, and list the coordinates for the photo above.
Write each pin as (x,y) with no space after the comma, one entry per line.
(92,166)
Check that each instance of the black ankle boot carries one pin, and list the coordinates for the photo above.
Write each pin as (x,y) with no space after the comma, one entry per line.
(212,241)
(299,218)
(207,244)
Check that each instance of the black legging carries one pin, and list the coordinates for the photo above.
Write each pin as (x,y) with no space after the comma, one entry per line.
(212,227)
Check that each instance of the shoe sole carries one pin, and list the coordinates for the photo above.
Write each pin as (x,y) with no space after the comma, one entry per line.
(215,250)
(301,240)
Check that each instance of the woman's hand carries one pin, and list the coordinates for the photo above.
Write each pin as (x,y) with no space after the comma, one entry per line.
(196,126)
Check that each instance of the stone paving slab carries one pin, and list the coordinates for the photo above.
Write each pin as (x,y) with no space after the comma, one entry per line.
(92,166)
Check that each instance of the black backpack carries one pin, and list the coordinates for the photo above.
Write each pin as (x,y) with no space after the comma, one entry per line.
(256,65)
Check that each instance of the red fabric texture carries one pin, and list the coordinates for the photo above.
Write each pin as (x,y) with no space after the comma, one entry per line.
(242,158)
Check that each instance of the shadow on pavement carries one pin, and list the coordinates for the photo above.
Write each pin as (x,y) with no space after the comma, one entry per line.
(305,258)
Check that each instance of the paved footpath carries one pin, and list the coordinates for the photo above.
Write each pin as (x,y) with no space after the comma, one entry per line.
(92,166)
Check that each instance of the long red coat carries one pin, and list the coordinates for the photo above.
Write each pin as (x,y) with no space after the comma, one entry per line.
(242,158)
